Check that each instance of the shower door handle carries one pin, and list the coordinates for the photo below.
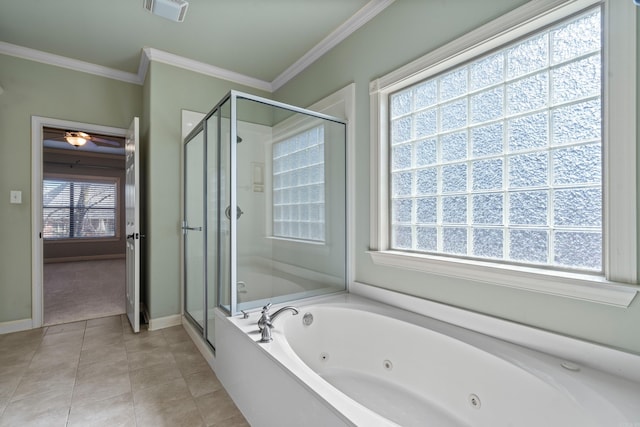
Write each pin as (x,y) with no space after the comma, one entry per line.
(227,212)
(185,227)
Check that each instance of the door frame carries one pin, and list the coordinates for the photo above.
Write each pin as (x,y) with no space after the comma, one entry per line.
(37,243)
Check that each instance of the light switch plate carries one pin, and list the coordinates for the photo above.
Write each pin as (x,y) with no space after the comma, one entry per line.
(16,196)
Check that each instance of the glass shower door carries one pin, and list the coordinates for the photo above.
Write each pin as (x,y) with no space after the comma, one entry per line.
(265,208)
(192,228)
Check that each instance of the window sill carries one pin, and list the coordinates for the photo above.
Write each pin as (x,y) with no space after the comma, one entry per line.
(571,285)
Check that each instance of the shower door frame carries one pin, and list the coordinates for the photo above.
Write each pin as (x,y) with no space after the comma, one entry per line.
(232,97)
(200,127)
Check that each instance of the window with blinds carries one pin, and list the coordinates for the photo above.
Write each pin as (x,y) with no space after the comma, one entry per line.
(79,209)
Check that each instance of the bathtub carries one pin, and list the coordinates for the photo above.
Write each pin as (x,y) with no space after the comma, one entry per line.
(368,364)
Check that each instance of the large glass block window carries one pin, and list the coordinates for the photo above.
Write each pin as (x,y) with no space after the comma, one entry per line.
(501,158)
(298,186)
(79,209)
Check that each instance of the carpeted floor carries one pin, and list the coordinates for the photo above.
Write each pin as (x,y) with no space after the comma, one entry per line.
(82,290)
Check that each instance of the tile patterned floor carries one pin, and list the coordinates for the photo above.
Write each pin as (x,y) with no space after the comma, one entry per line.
(99,373)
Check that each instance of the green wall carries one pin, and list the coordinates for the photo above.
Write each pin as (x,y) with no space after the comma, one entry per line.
(169,90)
(34,89)
(405,31)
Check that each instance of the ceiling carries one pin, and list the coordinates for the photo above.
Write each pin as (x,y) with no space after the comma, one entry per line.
(267,40)
(96,143)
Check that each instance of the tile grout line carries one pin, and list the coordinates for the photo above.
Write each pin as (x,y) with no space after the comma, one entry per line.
(184,377)
(73,389)
(46,329)
(126,352)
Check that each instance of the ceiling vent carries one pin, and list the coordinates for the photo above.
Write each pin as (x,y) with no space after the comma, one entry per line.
(173,10)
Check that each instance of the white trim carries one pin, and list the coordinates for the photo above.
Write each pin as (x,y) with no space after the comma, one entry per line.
(361,17)
(165,322)
(507,27)
(550,282)
(37,242)
(620,213)
(69,63)
(346,96)
(596,356)
(37,123)
(15,326)
(206,69)
(620,126)
(143,67)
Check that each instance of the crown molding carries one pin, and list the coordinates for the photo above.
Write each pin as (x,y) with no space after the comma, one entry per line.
(206,69)
(143,67)
(69,63)
(361,17)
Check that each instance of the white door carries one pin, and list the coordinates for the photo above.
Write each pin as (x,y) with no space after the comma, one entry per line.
(132,207)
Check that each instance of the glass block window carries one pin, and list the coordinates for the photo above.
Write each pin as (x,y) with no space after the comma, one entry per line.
(79,209)
(298,186)
(501,158)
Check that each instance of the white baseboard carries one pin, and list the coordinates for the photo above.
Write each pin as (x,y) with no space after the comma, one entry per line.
(16,326)
(165,322)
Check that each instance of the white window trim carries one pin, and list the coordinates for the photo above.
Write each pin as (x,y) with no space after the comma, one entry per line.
(617,286)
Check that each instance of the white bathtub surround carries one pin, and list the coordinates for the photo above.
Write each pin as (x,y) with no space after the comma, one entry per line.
(585,353)
(364,363)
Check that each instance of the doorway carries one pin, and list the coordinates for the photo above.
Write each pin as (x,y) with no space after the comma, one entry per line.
(78,266)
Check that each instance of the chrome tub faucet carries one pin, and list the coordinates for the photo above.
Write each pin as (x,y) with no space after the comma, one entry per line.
(266,321)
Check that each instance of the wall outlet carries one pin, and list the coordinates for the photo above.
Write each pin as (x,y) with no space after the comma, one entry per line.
(16,196)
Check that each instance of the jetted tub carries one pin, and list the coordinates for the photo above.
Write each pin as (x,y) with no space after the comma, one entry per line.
(380,366)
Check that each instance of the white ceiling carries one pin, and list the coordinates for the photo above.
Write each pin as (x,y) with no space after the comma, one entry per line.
(266,41)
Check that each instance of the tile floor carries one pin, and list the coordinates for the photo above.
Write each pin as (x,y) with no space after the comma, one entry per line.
(99,373)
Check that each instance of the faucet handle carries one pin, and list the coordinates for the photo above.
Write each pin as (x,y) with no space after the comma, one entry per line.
(265,318)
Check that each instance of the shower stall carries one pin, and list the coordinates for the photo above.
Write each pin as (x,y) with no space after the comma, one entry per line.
(264,208)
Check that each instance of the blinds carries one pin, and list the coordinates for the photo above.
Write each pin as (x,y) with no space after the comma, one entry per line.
(78,209)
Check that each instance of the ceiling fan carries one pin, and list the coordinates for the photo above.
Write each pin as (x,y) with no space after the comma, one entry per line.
(79,138)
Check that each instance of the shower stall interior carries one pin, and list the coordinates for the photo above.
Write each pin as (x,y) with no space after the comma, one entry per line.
(264,208)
